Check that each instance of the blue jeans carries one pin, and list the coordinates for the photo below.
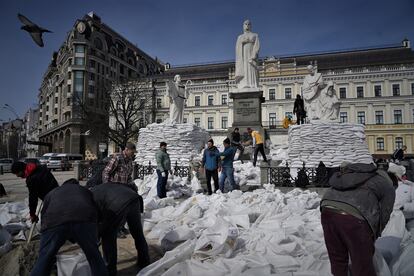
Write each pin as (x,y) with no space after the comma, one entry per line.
(162,184)
(227,172)
(83,233)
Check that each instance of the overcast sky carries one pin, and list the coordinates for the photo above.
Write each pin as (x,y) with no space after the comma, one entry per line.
(194,31)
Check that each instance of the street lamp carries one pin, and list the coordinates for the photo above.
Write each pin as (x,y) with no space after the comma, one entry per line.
(11,109)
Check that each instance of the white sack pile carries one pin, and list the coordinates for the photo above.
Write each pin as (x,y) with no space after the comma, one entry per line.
(279,152)
(13,223)
(331,143)
(246,174)
(183,142)
(254,233)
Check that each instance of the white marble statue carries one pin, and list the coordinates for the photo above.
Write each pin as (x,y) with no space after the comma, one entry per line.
(177,92)
(311,90)
(329,103)
(321,101)
(247,51)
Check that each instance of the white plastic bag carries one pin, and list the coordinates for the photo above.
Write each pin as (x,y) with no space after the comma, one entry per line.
(381,267)
(73,265)
(195,184)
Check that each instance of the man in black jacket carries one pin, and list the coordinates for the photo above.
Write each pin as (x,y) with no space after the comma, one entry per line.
(39,180)
(116,204)
(69,213)
(355,210)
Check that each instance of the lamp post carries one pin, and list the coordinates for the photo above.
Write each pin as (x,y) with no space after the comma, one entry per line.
(12,110)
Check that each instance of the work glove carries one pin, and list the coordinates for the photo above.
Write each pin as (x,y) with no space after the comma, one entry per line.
(34,218)
(163,174)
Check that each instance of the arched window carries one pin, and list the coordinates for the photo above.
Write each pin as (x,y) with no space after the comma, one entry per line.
(380,143)
(399,142)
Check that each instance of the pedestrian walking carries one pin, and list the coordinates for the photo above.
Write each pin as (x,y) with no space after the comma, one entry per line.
(69,213)
(257,144)
(39,181)
(163,167)
(211,164)
(355,210)
(117,203)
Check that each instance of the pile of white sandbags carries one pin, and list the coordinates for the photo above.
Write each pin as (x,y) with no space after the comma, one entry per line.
(246,174)
(183,142)
(13,224)
(264,232)
(331,143)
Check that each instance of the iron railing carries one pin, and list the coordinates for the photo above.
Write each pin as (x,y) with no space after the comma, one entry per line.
(142,170)
(316,177)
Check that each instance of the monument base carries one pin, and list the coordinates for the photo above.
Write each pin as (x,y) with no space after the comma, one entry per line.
(247,109)
(331,143)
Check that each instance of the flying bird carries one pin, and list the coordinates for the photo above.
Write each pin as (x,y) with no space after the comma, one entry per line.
(34,30)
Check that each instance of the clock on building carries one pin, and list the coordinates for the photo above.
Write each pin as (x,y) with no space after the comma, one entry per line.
(81,27)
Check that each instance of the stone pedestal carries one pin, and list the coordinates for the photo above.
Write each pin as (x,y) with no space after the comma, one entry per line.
(247,109)
(331,143)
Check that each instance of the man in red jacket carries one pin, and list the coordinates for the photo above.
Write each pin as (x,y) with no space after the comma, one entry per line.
(39,180)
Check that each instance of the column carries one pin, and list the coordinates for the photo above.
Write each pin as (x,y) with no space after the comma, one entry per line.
(370,114)
(371,144)
(389,143)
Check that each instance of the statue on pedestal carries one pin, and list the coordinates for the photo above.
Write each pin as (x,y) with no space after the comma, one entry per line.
(311,90)
(247,51)
(321,101)
(177,92)
(329,103)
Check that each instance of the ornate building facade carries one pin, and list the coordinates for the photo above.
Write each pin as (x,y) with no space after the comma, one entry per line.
(375,87)
(92,57)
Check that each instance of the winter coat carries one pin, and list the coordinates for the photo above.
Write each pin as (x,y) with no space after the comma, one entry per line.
(163,160)
(68,203)
(235,137)
(211,162)
(39,181)
(298,106)
(112,200)
(404,197)
(228,154)
(367,190)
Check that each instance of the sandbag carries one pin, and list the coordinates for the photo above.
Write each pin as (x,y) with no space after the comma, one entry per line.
(5,241)
(73,265)
(195,184)
(403,265)
(381,267)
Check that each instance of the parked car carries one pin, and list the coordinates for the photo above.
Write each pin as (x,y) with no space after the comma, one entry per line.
(58,162)
(32,160)
(6,164)
(45,158)
(72,157)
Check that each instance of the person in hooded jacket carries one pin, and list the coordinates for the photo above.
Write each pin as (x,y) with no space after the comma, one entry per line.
(354,211)
(211,165)
(69,213)
(117,203)
(39,181)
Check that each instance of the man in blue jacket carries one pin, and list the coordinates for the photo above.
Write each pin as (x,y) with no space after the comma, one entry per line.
(227,171)
(211,165)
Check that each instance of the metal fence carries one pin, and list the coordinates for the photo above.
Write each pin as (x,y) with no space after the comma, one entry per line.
(87,170)
(142,170)
(316,177)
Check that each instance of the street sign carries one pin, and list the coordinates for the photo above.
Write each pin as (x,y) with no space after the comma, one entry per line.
(102,147)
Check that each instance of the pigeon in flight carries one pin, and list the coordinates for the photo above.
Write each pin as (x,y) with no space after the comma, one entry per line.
(34,30)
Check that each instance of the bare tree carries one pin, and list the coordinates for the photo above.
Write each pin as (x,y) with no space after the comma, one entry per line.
(129,106)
